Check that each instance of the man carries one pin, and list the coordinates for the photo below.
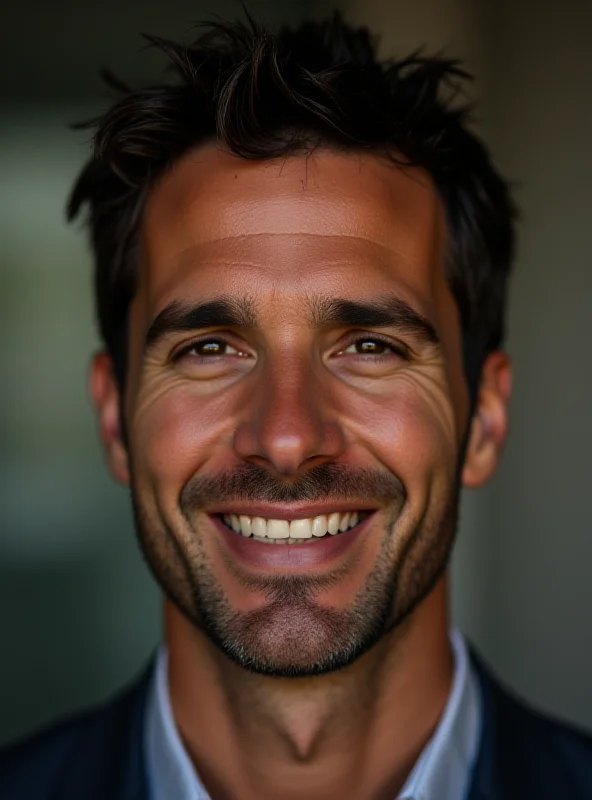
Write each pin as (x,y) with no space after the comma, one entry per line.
(301,266)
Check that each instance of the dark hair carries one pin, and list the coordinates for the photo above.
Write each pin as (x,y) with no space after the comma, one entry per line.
(264,95)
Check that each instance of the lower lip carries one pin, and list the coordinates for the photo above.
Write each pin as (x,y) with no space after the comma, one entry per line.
(308,554)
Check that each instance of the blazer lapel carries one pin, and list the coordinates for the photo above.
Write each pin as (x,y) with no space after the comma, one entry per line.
(107,760)
(498,771)
(484,784)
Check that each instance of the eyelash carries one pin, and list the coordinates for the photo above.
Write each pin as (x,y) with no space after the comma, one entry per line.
(396,349)
(186,349)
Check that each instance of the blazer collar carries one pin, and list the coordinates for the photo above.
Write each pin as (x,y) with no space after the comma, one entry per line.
(485,784)
(111,748)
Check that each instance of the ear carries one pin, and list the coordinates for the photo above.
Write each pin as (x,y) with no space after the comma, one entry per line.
(105,395)
(489,425)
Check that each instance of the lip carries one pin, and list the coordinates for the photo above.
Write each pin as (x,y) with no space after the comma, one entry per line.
(289,511)
(310,555)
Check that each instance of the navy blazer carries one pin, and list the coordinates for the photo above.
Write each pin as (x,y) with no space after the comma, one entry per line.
(523,755)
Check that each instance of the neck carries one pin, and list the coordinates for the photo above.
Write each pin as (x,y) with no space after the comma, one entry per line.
(258,737)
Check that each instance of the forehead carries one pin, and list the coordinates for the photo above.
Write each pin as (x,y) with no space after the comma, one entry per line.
(338,223)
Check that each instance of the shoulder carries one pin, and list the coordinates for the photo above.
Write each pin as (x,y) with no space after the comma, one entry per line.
(88,750)
(524,750)
(567,747)
(32,766)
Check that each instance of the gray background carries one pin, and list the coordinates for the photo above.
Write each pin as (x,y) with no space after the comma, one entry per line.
(79,613)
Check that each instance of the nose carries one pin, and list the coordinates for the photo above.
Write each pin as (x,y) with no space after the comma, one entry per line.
(288,427)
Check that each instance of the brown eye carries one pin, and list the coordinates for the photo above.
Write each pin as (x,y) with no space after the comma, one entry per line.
(208,348)
(211,348)
(369,346)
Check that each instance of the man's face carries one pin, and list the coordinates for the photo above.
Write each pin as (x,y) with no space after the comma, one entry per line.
(294,368)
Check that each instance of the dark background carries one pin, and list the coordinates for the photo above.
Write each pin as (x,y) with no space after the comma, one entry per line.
(79,613)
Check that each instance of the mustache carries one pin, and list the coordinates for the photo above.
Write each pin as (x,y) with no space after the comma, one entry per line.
(323,482)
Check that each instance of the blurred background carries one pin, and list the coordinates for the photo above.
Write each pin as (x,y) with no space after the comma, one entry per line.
(79,613)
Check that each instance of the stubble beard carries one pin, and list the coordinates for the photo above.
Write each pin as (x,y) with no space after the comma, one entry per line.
(292,634)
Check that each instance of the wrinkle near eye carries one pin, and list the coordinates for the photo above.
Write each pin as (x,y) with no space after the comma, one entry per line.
(431,386)
(158,386)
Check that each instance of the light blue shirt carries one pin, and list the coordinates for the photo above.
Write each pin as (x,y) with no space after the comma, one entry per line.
(442,771)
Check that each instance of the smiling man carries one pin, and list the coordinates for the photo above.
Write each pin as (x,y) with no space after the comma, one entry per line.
(301,265)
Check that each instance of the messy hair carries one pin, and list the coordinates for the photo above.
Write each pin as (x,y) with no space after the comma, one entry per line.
(264,95)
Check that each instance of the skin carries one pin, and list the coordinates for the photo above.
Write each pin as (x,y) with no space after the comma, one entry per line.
(286,396)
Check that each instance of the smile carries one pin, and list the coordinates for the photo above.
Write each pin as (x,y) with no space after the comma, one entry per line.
(295,531)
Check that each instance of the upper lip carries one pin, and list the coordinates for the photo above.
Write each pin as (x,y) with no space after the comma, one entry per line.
(294,511)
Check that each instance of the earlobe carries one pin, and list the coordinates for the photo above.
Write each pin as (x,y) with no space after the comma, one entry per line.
(489,425)
(105,395)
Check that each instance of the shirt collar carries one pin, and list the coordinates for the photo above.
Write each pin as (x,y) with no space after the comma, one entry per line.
(442,771)
(445,765)
(170,770)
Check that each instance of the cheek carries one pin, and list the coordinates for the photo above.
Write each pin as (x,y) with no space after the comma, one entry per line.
(411,431)
(176,433)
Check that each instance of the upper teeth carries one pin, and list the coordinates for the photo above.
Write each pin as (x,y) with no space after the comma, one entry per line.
(286,530)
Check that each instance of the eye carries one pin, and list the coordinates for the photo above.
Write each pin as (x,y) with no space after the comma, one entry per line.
(208,348)
(374,346)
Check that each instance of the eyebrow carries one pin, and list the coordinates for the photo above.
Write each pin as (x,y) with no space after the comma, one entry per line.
(387,312)
(178,317)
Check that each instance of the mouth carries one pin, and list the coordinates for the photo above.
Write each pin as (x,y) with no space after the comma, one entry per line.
(293,531)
